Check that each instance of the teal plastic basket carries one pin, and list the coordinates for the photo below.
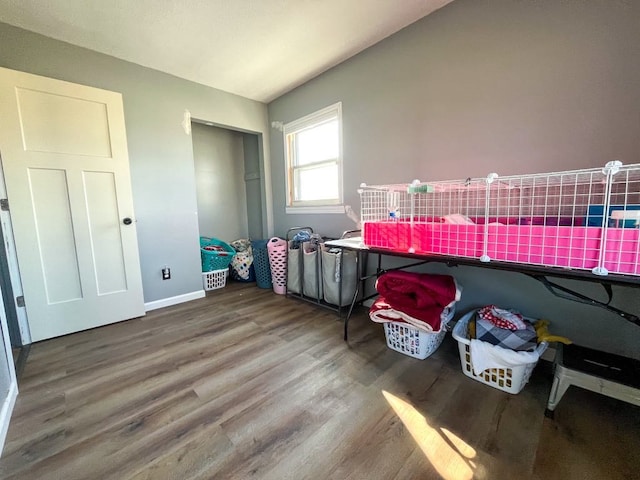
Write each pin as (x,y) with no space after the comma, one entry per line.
(215,254)
(261,263)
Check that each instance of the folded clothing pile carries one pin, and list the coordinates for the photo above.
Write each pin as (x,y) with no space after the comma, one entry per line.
(504,328)
(500,338)
(415,298)
(310,241)
(242,260)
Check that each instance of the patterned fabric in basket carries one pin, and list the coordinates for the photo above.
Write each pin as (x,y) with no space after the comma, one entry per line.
(519,340)
(509,319)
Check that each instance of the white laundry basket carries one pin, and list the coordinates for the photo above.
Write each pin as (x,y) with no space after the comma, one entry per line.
(214,280)
(405,338)
(508,379)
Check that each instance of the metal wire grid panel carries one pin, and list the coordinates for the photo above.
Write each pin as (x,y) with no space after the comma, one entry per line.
(409,217)
(584,219)
(547,197)
(622,234)
(451,210)
(387,211)
(542,219)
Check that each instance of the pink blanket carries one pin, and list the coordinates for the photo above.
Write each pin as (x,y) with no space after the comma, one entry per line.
(415,298)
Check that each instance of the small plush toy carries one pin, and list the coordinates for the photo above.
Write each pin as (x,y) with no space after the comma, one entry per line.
(542,331)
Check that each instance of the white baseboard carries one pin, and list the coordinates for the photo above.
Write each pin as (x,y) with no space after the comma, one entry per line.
(7,410)
(167,302)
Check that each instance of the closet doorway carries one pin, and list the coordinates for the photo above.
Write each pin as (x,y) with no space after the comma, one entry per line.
(228,182)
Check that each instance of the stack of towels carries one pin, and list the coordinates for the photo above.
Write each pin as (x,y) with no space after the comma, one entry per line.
(418,299)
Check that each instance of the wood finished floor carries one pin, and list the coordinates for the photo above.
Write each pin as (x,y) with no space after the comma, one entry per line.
(248,384)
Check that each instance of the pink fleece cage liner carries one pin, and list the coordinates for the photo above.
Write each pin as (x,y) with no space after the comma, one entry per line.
(425,237)
(622,251)
(575,247)
(572,247)
(562,246)
(453,240)
(392,235)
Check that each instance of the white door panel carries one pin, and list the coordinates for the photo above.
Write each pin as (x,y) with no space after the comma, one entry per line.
(66,169)
(54,235)
(81,126)
(105,231)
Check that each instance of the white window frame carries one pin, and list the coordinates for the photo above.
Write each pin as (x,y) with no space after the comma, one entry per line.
(296,126)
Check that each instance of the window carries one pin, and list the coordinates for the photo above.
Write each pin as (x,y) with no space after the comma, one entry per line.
(313,150)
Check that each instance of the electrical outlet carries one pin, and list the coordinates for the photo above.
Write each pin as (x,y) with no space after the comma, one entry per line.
(166,273)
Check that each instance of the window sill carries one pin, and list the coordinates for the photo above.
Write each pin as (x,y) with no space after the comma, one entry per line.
(315,209)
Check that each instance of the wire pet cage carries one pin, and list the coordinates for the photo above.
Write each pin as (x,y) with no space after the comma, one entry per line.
(583,219)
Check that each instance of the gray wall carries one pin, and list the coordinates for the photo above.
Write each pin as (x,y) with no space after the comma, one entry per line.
(488,86)
(253,185)
(219,163)
(160,153)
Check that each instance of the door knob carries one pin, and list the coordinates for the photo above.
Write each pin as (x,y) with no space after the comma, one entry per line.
(127,221)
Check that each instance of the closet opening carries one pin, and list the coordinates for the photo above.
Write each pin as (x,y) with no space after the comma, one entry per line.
(229,182)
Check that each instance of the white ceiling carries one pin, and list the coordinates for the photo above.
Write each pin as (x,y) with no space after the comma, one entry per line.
(259,49)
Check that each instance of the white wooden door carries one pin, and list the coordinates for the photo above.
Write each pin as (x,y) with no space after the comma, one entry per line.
(66,167)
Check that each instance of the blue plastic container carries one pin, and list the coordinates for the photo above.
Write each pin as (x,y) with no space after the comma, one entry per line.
(261,263)
(595,212)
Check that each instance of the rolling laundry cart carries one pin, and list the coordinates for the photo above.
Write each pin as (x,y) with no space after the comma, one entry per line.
(318,274)
(304,275)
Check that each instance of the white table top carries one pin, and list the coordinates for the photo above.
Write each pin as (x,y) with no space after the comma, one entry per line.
(353,243)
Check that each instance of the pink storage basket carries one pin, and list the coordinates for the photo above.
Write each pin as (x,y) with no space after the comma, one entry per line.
(277,250)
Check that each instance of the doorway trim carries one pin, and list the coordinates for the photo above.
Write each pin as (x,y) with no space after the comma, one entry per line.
(14,270)
(9,401)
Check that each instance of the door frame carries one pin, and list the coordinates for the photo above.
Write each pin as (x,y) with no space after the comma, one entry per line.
(10,400)
(9,250)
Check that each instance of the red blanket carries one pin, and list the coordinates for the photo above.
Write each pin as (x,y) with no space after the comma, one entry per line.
(413,296)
